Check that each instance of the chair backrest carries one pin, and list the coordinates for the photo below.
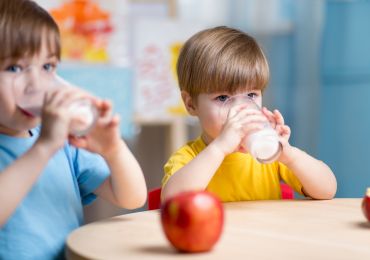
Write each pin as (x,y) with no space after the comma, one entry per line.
(154,199)
(154,196)
(287,192)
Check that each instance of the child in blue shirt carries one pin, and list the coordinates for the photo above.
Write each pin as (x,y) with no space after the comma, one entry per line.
(45,180)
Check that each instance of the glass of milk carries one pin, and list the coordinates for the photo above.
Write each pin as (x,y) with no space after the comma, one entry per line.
(29,88)
(264,144)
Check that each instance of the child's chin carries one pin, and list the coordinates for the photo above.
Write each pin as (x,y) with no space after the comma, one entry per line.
(241,149)
(32,123)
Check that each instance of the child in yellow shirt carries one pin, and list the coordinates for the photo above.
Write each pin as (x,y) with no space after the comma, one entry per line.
(215,65)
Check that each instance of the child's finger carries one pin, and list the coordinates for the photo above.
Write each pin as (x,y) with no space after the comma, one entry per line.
(270,116)
(110,121)
(243,114)
(86,94)
(115,121)
(247,113)
(64,97)
(283,130)
(54,96)
(71,97)
(105,112)
(79,142)
(251,128)
(267,112)
(278,117)
(261,119)
(105,108)
(235,110)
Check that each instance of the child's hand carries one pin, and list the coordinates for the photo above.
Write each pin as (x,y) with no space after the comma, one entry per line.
(56,116)
(104,138)
(240,123)
(277,122)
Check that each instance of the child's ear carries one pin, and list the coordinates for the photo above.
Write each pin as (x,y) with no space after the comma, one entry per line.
(188,102)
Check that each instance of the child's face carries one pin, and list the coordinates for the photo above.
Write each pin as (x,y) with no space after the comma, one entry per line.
(13,120)
(207,109)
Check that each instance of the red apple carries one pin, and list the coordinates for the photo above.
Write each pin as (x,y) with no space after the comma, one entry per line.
(366,204)
(192,221)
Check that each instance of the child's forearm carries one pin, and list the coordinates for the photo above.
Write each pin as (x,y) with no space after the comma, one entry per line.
(126,186)
(17,179)
(316,177)
(196,174)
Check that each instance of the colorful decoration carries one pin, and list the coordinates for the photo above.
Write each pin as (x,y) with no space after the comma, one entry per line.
(178,109)
(85,30)
(156,48)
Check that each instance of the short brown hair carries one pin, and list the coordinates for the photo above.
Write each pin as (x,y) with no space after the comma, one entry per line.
(23,24)
(221,59)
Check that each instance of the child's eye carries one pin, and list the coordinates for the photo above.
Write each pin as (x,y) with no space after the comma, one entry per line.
(49,67)
(252,95)
(14,68)
(222,98)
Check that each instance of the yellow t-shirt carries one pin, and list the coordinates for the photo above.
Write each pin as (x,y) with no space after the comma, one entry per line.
(240,177)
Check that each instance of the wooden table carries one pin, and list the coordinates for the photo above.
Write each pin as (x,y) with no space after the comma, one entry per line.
(286,229)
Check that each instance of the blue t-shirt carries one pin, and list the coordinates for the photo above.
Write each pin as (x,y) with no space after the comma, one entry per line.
(39,226)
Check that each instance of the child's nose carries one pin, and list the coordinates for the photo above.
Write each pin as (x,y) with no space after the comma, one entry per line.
(31,79)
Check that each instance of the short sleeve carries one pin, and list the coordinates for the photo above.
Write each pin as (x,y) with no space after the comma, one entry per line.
(289,178)
(91,171)
(175,163)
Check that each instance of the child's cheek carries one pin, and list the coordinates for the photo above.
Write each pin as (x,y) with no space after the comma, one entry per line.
(213,127)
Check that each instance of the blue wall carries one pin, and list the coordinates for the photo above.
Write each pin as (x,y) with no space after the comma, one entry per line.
(324,95)
(111,82)
(344,139)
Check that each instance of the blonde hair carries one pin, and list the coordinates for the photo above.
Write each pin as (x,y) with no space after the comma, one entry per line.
(23,27)
(221,59)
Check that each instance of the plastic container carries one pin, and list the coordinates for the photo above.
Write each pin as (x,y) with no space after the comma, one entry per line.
(263,145)
(29,88)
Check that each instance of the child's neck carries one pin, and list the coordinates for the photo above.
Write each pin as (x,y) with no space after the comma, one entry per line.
(15,133)
(206,139)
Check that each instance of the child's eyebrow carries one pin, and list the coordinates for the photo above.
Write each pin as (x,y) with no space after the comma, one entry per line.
(52,55)
(9,61)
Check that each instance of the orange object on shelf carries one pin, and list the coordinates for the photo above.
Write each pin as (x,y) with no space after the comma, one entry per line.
(85,29)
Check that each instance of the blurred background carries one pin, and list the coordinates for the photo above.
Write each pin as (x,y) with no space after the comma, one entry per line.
(319,55)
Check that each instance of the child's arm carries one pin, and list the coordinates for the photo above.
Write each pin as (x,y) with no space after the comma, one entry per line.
(316,177)
(17,179)
(126,185)
(197,174)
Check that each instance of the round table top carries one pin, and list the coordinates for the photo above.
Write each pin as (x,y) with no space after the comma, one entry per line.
(282,229)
